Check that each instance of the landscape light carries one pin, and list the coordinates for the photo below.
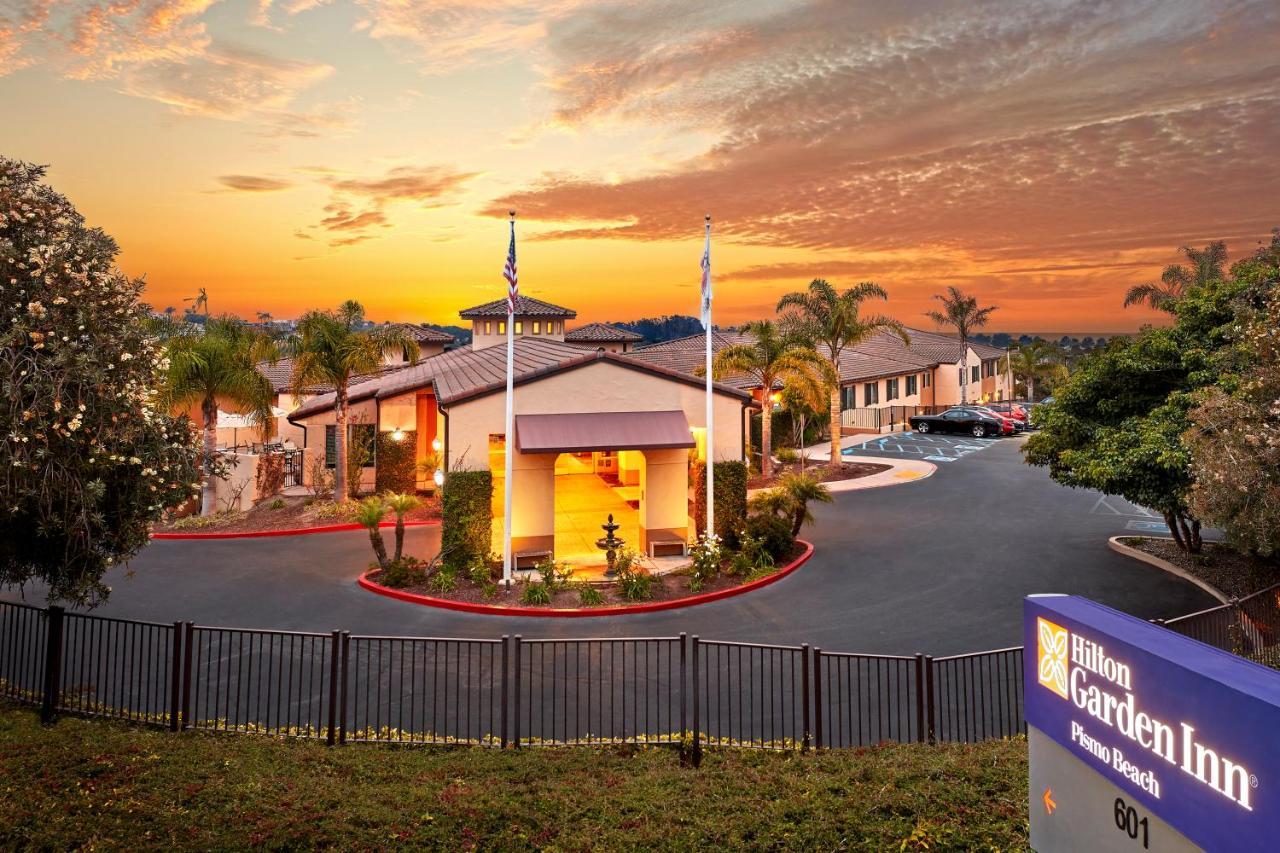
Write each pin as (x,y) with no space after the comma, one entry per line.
(439,477)
(397,434)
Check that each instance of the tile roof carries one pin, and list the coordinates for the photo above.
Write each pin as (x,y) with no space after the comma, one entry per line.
(427,335)
(526,306)
(600,332)
(465,373)
(280,375)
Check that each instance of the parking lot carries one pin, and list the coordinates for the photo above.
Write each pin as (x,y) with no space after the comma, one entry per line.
(931,448)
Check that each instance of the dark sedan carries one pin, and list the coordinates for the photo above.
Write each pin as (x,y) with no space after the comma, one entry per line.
(969,421)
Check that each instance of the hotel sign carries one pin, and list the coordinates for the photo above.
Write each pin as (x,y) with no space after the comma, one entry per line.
(1141,738)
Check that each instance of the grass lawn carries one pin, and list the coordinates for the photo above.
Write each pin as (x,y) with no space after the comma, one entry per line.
(101,785)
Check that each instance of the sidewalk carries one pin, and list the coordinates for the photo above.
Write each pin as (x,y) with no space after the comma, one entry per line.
(900,470)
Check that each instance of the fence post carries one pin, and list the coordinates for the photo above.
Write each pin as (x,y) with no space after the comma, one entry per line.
(335,648)
(188,644)
(930,708)
(175,678)
(817,699)
(343,671)
(515,728)
(506,675)
(684,686)
(697,715)
(919,698)
(52,662)
(804,686)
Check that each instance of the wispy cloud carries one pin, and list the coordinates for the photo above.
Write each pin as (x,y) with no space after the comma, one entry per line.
(253,183)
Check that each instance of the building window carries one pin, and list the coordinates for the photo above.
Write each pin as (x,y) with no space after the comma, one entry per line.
(974,373)
(870,393)
(559,327)
(488,327)
(913,385)
(848,397)
(519,328)
(925,383)
(363,433)
(537,327)
(502,327)
(890,389)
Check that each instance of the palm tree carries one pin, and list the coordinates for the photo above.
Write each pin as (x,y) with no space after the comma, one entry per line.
(400,504)
(1034,362)
(213,367)
(831,320)
(962,313)
(770,358)
(1206,265)
(805,395)
(790,499)
(332,347)
(369,513)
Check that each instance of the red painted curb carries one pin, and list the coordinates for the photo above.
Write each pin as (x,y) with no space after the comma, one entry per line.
(292,531)
(569,613)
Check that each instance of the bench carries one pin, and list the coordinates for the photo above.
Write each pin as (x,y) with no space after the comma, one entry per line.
(667,545)
(530,559)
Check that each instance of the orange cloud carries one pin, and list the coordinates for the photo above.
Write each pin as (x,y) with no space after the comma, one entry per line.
(253,183)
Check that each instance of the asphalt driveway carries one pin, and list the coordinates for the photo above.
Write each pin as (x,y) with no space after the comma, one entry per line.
(936,566)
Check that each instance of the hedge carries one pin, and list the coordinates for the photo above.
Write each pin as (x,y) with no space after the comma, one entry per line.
(731,498)
(397,467)
(467,524)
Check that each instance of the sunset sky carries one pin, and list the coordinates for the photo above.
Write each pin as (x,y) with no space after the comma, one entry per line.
(289,154)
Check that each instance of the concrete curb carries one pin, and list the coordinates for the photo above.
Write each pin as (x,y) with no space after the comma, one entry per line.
(569,613)
(900,471)
(289,531)
(1119,547)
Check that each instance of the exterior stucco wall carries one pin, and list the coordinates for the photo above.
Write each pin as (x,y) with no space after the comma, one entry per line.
(365,412)
(480,340)
(598,387)
(664,495)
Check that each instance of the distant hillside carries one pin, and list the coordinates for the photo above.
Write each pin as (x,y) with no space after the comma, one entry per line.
(665,328)
(462,334)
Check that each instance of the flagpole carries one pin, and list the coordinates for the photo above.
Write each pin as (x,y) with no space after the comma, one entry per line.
(508,444)
(710,441)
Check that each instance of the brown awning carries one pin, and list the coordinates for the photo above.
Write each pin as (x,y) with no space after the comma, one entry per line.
(580,432)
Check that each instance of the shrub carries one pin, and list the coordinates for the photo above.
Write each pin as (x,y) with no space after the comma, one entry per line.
(731,499)
(397,470)
(320,477)
(554,575)
(405,572)
(772,533)
(634,581)
(466,531)
(533,593)
(277,504)
(787,455)
(443,581)
(707,555)
(752,558)
(91,457)
(588,595)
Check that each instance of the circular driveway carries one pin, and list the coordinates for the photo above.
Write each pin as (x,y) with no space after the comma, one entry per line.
(937,566)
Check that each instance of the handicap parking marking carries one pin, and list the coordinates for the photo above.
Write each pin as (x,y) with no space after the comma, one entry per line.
(1147,526)
(932,448)
(1113,505)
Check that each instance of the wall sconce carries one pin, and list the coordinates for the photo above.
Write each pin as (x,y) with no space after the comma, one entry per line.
(436,445)
(438,477)
(397,434)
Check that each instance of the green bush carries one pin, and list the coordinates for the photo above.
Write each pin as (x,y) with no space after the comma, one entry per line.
(588,595)
(397,470)
(405,572)
(443,581)
(731,499)
(772,535)
(467,528)
(787,455)
(533,593)
(634,581)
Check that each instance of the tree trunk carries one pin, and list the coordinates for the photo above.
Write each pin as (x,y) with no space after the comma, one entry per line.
(1171,520)
(379,547)
(399,535)
(766,433)
(797,520)
(340,449)
(209,489)
(1031,388)
(800,443)
(836,459)
(964,371)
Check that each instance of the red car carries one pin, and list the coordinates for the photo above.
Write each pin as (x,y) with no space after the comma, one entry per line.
(1010,410)
(1008,425)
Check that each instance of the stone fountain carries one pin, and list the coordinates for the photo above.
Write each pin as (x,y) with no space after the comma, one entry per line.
(610,544)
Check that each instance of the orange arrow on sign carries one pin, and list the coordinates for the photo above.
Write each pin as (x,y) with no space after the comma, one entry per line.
(1049,804)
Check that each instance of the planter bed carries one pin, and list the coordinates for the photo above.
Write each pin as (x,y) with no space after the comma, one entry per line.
(824,473)
(297,515)
(1235,574)
(667,592)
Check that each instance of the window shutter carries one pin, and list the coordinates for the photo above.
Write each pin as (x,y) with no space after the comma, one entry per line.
(330,446)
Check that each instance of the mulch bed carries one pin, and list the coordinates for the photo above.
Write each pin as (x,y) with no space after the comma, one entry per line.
(297,513)
(1236,574)
(668,587)
(824,473)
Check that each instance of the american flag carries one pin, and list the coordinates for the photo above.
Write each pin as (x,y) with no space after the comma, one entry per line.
(706,281)
(509,273)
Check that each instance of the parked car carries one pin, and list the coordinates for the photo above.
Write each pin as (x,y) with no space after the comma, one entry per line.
(1010,410)
(963,420)
(1018,424)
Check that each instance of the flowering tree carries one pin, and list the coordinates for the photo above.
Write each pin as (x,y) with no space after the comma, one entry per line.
(89,459)
(1235,430)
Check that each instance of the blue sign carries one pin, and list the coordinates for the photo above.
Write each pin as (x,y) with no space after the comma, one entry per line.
(1189,731)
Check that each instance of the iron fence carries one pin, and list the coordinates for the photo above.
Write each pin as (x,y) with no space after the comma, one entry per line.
(1249,627)
(890,418)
